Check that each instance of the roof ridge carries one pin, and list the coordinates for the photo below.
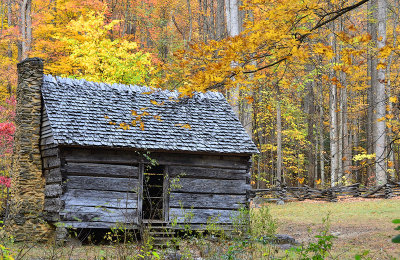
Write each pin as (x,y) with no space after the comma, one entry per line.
(134,88)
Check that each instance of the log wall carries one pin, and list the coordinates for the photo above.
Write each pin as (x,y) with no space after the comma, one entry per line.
(51,171)
(200,195)
(100,188)
(98,181)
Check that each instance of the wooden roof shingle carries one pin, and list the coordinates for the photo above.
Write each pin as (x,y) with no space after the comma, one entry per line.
(90,114)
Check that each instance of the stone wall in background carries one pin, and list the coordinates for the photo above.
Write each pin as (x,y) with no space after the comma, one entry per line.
(26,218)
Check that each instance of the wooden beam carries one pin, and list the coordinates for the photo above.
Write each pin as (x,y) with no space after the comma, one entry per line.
(206,201)
(209,173)
(97,169)
(98,214)
(94,224)
(102,183)
(111,199)
(207,186)
(202,216)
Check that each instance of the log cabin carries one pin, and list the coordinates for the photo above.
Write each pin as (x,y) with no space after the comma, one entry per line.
(94,155)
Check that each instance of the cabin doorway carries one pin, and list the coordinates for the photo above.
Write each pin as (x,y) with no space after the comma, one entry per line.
(153,193)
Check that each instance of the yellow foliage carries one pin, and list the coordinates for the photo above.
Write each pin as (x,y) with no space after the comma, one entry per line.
(393,99)
(95,57)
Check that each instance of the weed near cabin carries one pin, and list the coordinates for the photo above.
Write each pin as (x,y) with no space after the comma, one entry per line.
(251,225)
(360,225)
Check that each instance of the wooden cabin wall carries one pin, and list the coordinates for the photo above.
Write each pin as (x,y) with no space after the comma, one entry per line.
(101,188)
(51,170)
(206,185)
(201,195)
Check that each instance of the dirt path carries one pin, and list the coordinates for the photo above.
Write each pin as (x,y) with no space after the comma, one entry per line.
(358,224)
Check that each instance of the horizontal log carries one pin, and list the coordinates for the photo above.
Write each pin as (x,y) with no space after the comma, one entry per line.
(45,122)
(53,176)
(45,130)
(47,140)
(51,162)
(49,152)
(102,183)
(48,146)
(106,225)
(208,161)
(120,156)
(46,134)
(202,216)
(193,185)
(111,199)
(373,191)
(53,204)
(99,214)
(206,201)
(51,216)
(115,170)
(210,173)
(46,127)
(100,155)
(52,190)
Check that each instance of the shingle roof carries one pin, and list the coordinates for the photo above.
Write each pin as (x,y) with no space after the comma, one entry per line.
(80,113)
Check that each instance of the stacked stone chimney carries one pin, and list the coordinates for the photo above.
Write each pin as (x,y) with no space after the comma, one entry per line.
(25,220)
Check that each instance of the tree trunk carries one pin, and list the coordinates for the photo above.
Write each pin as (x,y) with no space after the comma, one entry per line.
(25,28)
(220,19)
(340,115)
(278,139)
(2,12)
(371,91)
(380,145)
(232,24)
(333,137)
(321,133)
(206,32)
(190,23)
(310,133)
(346,135)
(356,144)
(211,24)
(389,94)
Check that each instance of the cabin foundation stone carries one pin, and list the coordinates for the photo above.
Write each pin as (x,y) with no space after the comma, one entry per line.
(26,219)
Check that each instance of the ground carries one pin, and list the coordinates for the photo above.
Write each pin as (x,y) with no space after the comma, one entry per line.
(359,224)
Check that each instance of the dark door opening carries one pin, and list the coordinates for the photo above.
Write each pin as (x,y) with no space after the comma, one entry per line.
(153,193)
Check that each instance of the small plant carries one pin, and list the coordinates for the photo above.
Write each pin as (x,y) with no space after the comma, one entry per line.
(241,222)
(262,223)
(213,227)
(5,253)
(321,249)
(396,239)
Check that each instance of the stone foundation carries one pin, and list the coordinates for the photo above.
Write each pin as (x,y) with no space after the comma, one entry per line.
(25,220)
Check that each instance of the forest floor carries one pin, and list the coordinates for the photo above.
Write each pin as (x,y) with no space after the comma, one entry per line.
(359,225)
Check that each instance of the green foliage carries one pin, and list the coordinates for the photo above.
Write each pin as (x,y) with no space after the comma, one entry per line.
(5,253)
(363,255)
(241,222)
(214,228)
(319,250)
(262,223)
(396,239)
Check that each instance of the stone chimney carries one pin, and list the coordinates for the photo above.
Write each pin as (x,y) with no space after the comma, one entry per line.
(25,219)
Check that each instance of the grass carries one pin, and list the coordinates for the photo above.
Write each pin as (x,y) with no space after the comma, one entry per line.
(359,225)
